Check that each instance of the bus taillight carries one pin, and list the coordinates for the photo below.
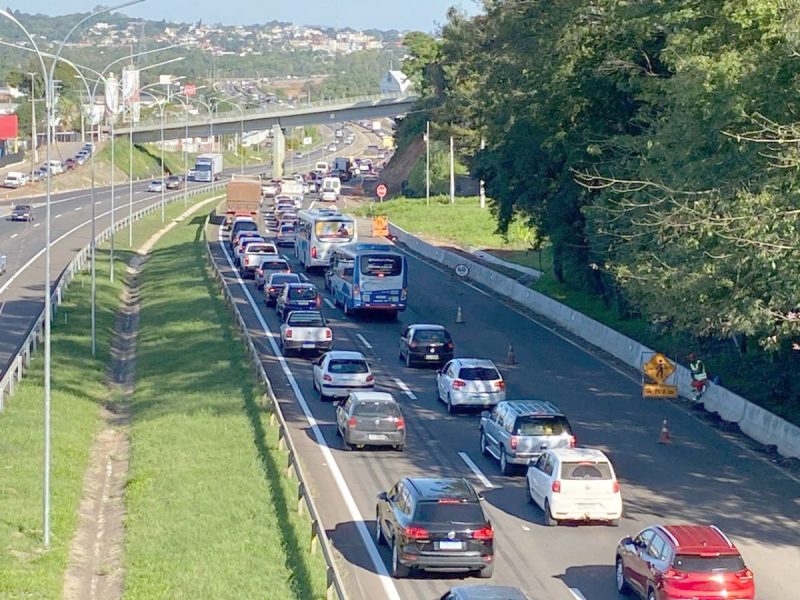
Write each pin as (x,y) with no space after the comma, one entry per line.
(313,252)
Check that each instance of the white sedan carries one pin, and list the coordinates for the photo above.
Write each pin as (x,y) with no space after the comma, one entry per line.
(469,382)
(338,372)
(574,484)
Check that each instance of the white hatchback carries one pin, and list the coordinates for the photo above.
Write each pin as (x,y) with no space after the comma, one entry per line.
(338,372)
(469,382)
(574,484)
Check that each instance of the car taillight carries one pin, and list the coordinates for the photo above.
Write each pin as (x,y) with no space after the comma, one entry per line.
(356,292)
(328,334)
(370,377)
(572,441)
(400,423)
(514,442)
(484,533)
(458,384)
(500,385)
(412,345)
(674,575)
(288,333)
(416,533)
(616,487)
(272,289)
(260,271)
(746,575)
(318,302)
(351,422)
(326,377)
(449,345)
(556,487)
(313,252)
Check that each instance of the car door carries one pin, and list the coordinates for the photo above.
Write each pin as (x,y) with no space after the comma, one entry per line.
(445,378)
(655,559)
(493,429)
(538,478)
(404,337)
(391,509)
(343,413)
(318,369)
(636,569)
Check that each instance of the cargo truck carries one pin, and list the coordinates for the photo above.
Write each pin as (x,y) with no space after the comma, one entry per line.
(243,198)
(207,167)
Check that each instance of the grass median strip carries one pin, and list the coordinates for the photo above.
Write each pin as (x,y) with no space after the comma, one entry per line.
(27,570)
(210,514)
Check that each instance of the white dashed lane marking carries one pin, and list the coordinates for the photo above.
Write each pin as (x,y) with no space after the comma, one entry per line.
(330,304)
(364,341)
(478,473)
(401,384)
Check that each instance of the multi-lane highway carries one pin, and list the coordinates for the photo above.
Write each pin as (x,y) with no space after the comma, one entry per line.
(702,477)
(23,243)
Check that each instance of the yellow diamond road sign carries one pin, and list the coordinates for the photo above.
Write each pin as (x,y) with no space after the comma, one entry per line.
(658,368)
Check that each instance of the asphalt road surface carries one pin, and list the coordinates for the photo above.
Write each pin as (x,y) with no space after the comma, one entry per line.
(703,477)
(23,243)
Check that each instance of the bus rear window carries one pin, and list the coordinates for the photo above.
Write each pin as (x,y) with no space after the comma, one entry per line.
(386,265)
(341,231)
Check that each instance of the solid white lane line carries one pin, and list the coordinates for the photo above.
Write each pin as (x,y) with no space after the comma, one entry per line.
(364,341)
(401,384)
(478,473)
(78,208)
(577,593)
(355,514)
(329,303)
(36,224)
(15,235)
(304,277)
(57,216)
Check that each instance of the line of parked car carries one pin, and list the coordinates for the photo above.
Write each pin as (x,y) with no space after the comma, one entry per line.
(17,179)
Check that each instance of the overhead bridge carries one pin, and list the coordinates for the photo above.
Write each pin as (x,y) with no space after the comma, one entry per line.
(263,118)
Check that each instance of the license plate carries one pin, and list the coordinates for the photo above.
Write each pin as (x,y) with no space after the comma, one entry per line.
(450,545)
(376,436)
(431,356)
(308,345)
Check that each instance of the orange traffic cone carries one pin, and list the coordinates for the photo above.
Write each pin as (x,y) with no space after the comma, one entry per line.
(664,438)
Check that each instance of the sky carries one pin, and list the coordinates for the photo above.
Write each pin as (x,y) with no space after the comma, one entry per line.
(424,15)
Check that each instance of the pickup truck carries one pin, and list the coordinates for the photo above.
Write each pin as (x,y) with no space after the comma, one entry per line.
(306,330)
(253,255)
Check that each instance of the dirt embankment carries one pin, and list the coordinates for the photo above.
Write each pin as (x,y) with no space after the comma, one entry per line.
(398,169)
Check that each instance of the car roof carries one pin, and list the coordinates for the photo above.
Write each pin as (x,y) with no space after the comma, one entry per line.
(428,326)
(293,275)
(429,488)
(533,406)
(303,284)
(699,539)
(345,354)
(579,454)
(373,397)
(488,592)
(474,362)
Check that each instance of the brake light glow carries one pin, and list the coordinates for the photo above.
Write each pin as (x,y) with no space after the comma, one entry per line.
(370,378)
(556,487)
(328,334)
(288,333)
(412,345)
(351,422)
(572,441)
(747,575)
(500,385)
(313,252)
(272,289)
(400,423)
(616,487)
(514,442)
(484,533)
(416,533)
(458,384)
(326,377)
(674,575)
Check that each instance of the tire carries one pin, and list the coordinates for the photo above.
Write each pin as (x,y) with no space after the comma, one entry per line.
(614,522)
(528,495)
(400,447)
(548,517)
(506,468)
(486,572)
(380,539)
(450,408)
(622,584)
(484,446)
(408,360)
(399,570)
(651,595)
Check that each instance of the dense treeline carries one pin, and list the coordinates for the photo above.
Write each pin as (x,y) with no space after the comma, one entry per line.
(654,143)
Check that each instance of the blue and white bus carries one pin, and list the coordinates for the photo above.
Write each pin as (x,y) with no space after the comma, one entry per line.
(319,232)
(368,277)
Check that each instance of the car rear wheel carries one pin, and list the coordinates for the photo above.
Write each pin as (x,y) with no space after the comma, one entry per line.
(528,495)
(622,584)
(548,516)
(486,572)
(322,396)
(484,445)
(399,570)
(380,540)
(451,409)
(400,447)
(505,467)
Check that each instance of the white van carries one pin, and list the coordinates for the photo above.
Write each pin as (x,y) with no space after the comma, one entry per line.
(15,179)
(54,166)
(331,188)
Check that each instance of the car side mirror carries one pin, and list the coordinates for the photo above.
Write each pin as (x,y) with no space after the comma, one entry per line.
(383,496)
(481,496)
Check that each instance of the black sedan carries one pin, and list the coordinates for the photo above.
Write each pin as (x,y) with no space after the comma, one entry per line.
(422,343)
(22,212)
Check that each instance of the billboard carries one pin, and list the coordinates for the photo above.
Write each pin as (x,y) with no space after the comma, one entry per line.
(190,89)
(111,96)
(130,92)
(9,127)
(164,79)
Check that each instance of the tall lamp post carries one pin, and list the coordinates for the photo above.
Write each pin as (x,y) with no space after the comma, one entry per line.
(48,80)
(160,102)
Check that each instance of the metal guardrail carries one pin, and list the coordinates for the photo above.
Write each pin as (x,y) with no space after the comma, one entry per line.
(21,360)
(319,539)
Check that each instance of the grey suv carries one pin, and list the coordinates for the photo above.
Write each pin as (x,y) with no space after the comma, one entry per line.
(518,430)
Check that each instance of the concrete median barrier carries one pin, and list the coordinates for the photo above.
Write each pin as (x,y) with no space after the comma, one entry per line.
(758,423)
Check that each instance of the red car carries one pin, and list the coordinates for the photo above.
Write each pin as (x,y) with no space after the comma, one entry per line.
(682,562)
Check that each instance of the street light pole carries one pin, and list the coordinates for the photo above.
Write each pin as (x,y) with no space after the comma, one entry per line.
(34,137)
(427,163)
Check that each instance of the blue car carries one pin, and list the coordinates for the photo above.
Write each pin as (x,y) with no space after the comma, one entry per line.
(298,296)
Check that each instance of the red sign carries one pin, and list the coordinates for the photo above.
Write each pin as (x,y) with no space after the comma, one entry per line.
(9,127)
(190,89)
(381,191)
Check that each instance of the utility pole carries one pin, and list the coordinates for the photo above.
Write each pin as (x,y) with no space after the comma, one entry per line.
(483,187)
(452,174)
(428,163)
(34,151)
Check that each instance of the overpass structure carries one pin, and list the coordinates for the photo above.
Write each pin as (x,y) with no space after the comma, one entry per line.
(226,123)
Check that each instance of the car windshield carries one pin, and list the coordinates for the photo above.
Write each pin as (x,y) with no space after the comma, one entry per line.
(275,265)
(283,279)
(478,373)
(254,248)
(585,470)
(287,228)
(427,336)
(348,366)
(531,425)
(302,293)
(449,512)
(379,408)
(381,265)
(246,226)
(708,564)
(334,230)
(23,208)
(306,319)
